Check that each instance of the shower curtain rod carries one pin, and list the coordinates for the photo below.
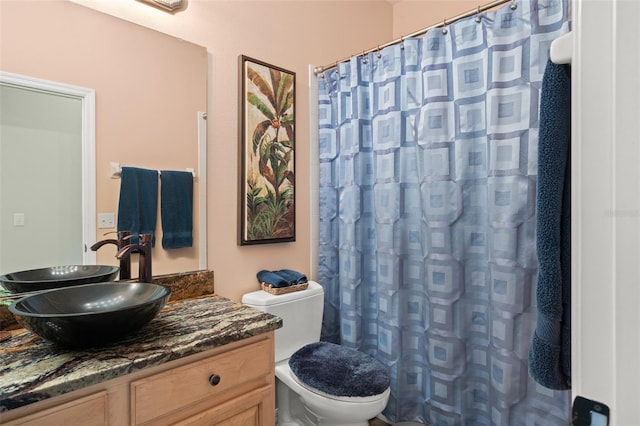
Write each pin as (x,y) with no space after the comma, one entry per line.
(479,9)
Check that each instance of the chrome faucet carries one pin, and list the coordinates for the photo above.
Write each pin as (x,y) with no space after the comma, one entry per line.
(125,263)
(143,248)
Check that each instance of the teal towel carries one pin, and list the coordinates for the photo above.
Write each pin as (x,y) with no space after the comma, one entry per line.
(176,209)
(138,203)
(550,351)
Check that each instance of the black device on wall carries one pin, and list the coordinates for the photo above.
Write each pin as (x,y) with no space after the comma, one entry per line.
(589,413)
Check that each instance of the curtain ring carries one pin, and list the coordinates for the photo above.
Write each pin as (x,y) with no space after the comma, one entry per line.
(444,27)
(478,16)
(365,59)
(378,54)
(401,42)
(513,6)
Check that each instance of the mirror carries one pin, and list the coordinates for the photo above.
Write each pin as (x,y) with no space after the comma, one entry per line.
(150,104)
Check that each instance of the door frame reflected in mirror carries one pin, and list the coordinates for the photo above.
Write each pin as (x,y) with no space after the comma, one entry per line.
(87,98)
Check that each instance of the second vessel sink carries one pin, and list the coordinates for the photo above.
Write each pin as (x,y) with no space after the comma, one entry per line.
(57,276)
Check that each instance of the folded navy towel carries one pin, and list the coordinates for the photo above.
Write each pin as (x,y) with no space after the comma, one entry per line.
(281,278)
(292,277)
(269,277)
(550,351)
(176,209)
(138,203)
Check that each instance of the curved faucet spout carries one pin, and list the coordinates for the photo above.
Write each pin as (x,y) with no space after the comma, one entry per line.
(125,263)
(101,243)
(144,261)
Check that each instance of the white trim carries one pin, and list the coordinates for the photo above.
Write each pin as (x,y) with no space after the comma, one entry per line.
(576,198)
(606,206)
(202,190)
(88,99)
(314,175)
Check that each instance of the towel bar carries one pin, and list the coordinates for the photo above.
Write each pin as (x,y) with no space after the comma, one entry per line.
(561,50)
(116,171)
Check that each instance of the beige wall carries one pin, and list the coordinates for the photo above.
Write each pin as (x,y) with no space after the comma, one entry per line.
(410,16)
(292,35)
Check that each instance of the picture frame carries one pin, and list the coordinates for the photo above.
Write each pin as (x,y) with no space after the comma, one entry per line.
(267,153)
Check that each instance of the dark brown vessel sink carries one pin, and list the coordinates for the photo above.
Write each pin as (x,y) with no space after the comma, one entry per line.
(91,314)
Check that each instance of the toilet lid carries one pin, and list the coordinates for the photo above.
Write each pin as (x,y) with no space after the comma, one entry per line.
(338,370)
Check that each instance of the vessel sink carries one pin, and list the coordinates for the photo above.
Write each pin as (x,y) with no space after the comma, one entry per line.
(57,276)
(90,315)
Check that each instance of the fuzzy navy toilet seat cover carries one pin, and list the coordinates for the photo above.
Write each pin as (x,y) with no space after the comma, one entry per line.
(338,370)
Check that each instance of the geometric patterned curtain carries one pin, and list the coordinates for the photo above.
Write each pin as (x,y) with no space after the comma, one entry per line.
(428,163)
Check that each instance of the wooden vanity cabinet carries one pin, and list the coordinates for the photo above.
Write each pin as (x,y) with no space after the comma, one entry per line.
(231,385)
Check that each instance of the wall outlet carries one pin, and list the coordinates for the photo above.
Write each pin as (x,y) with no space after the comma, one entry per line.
(18,219)
(106,220)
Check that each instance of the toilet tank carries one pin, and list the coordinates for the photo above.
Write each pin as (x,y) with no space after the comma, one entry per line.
(301,313)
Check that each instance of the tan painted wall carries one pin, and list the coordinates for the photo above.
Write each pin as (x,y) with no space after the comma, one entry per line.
(410,16)
(290,34)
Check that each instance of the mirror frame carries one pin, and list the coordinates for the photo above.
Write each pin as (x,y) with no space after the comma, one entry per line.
(88,100)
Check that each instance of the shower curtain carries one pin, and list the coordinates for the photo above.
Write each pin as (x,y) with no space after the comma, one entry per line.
(428,159)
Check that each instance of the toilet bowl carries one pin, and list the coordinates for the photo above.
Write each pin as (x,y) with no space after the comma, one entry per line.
(310,407)
(304,399)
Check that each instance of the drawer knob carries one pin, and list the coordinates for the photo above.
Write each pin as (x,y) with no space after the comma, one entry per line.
(214,379)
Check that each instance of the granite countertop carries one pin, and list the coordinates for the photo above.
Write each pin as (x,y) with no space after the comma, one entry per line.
(184,285)
(33,369)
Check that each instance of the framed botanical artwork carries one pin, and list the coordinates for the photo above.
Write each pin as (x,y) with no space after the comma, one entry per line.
(267,154)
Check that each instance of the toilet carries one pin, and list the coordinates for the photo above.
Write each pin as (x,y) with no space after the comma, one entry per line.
(306,391)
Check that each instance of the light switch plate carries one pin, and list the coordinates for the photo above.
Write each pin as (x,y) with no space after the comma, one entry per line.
(106,220)
(18,219)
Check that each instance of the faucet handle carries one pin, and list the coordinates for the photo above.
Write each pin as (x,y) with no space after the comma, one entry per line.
(145,238)
(121,234)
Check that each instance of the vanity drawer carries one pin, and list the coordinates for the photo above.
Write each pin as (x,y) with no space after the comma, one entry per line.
(91,409)
(217,378)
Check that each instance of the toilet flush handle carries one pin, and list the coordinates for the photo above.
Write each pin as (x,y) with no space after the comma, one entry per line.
(214,379)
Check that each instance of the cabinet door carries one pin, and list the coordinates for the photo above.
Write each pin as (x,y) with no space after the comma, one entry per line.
(90,410)
(252,409)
